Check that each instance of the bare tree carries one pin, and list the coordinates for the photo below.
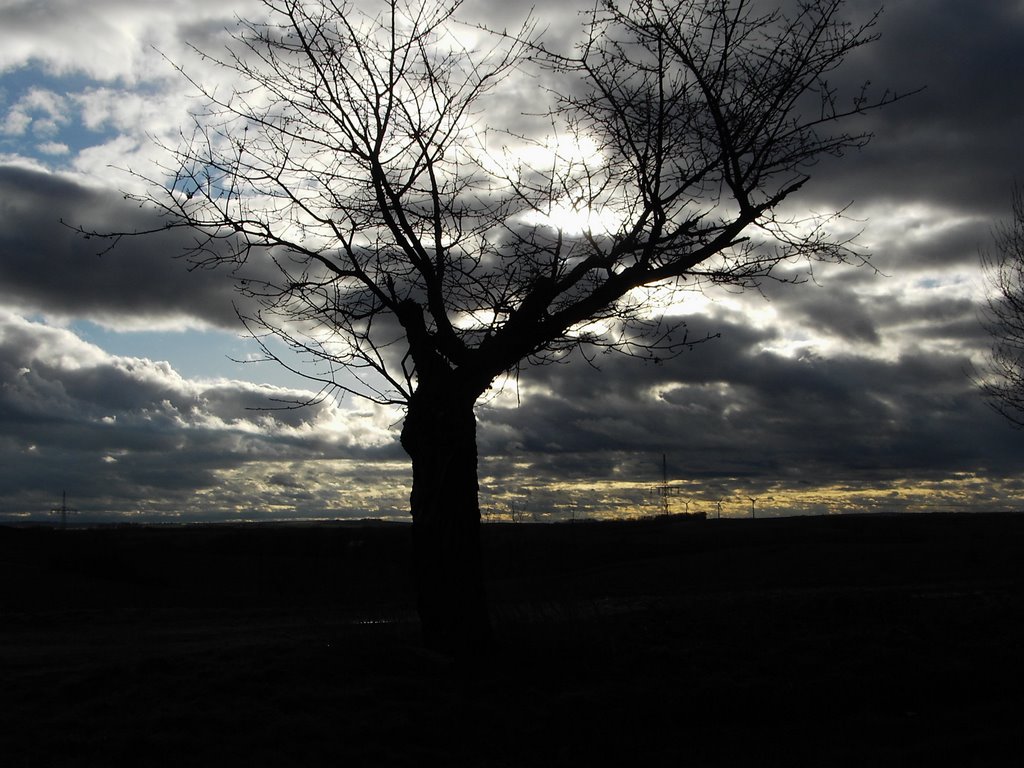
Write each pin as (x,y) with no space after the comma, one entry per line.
(388,231)
(1003,381)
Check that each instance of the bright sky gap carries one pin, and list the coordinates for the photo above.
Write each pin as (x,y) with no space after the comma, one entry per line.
(126,379)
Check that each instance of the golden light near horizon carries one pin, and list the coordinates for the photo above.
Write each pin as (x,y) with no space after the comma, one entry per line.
(519,491)
(735,498)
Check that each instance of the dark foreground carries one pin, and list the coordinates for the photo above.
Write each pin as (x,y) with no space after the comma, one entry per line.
(827,642)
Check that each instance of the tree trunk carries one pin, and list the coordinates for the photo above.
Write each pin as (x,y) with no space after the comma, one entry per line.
(439,434)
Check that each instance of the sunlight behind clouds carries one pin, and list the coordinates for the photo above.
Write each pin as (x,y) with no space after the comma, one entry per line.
(848,392)
(563,216)
(510,157)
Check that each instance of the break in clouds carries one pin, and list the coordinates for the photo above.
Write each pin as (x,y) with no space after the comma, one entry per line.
(133,434)
(854,385)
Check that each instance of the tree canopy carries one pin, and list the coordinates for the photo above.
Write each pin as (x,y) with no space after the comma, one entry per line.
(1003,381)
(357,185)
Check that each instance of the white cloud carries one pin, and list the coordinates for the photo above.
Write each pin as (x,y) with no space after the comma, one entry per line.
(137,425)
(107,39)
(54,148)
(39,112)
(82,381)
(16,123)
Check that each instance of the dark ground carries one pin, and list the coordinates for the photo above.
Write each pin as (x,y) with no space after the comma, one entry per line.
(854,641)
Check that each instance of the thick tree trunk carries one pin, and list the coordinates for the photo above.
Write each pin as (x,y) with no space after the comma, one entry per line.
(440,435)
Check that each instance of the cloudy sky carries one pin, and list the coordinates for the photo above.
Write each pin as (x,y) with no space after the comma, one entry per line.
(122,375)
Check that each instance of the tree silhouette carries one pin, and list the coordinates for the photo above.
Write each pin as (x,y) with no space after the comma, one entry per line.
(414,252)
(1003,381)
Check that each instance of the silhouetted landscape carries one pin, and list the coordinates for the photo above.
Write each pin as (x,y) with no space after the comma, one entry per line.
(889,640)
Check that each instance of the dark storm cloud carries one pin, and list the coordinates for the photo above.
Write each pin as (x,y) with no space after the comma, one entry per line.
(838,313)
(876,308)
(955,144)
(729,408)
(939,243)
(47,267)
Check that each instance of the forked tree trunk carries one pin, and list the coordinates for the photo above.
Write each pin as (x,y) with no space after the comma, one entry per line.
(439,435)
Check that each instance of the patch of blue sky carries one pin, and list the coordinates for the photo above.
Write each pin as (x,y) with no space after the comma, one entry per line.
(931,283)
(194,354)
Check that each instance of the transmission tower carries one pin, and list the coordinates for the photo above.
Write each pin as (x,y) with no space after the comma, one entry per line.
(664,491)
(64,510)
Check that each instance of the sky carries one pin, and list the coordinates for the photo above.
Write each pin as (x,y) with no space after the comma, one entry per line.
(127,381)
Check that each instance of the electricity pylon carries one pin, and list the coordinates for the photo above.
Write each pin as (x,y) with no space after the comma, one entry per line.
(64,510)
(664,491)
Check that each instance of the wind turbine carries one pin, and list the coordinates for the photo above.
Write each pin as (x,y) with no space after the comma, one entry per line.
(753,502)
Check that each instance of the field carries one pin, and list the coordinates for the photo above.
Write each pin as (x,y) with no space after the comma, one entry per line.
(888,640)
